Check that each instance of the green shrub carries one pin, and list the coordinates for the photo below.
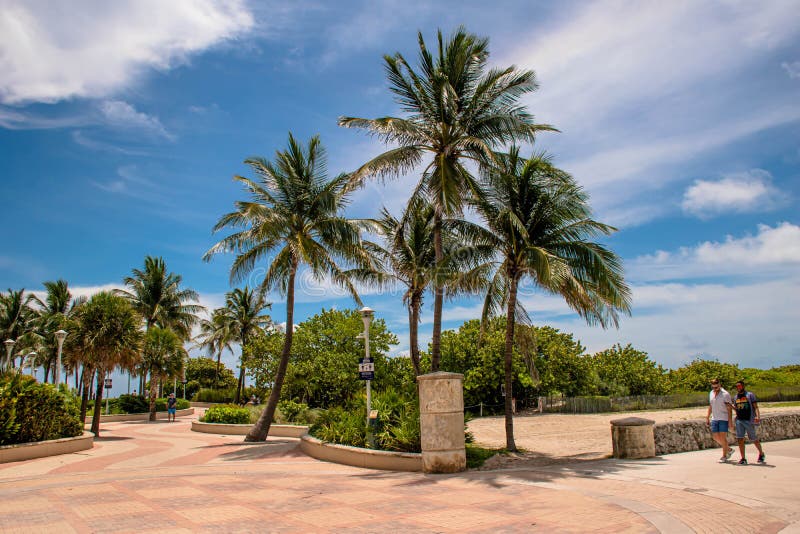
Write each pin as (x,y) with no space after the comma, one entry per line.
(30,411)
(397,427)
(215,395)
(134,404)
(228,414)
(296,412)
(338,425)
(161,405)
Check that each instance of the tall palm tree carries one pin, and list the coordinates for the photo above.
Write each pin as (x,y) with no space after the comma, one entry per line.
(216,335)
(156,294)
(109,336)
(292,219)
(15,318)
(408,257)
(158,297)
(539,220)
(162,358)
(56,312)
(244,315)
(458,110)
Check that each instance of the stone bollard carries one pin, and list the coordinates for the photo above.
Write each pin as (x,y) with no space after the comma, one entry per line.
(441,419)
(632,437)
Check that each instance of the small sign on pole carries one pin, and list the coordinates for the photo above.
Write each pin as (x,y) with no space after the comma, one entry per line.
(107,383)
(366,369)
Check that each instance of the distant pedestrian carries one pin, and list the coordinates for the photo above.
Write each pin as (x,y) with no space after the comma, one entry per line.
(748,417)
(720,417)
(172,404)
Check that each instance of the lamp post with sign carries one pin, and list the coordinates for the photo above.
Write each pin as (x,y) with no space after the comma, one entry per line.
(107,385)
(9,348)
(60,337)
(31,363)
(366,368)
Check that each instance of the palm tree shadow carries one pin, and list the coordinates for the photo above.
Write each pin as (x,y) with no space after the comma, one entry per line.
(259,450)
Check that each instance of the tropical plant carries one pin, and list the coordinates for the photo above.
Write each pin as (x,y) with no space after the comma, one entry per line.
(15,317)
(458,110)
(244,317)
(228,414)
(627,371)
(156,294)
(293,218)
(108,336)
(409,258)
(162,358)
(30,411)
(539,220)
(204,373)
(324,357)
(56,312)
(216,336)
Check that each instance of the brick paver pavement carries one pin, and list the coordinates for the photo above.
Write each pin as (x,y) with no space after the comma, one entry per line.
(143,477)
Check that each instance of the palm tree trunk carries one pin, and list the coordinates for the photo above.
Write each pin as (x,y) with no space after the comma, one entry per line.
(240,382)
(413,330)
(508,359)
(438,293)
(152,398)
(84,394)
(216,373)
(98,402)
(47,372)
(260,430)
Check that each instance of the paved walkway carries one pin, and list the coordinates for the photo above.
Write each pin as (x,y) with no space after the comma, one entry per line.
(162,477)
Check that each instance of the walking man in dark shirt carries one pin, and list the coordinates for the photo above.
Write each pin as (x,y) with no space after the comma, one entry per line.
(171,407)
(747,417)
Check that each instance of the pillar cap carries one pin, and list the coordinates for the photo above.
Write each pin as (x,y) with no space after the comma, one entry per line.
(632,421)
(439,375)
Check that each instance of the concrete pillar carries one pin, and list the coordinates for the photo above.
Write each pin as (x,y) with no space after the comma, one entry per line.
(632,437)
(441,419)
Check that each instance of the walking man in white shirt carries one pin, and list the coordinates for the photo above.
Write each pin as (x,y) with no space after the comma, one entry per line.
(720,417)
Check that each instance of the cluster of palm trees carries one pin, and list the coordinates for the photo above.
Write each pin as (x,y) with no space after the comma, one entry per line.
(142,329)
(462,121)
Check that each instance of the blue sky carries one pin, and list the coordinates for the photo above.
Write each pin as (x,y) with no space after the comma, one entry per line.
(122,123)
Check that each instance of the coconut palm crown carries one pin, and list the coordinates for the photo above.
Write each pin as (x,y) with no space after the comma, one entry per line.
(457,110)
(292,219)
(539,220)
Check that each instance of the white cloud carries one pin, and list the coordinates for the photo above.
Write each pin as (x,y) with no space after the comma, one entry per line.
(742,192)
(634,99)
(18,120)
(772,250)
(122,115)
(51,51)
(792,69)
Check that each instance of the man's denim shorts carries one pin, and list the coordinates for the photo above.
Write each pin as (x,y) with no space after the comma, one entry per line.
(745,427)
(719,426)
(171,411)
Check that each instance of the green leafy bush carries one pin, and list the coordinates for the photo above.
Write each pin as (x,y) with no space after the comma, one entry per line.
(297,412)
(215,395)
(133,404)
(161,405)
(228,414)
(30,411)
(397,427)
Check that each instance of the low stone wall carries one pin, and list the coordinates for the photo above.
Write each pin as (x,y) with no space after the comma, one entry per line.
(276,431)
(358,457)
(114,418)
(40,449)
(684,436)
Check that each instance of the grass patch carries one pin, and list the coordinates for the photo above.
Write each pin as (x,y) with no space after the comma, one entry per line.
(779,404)
(477,455)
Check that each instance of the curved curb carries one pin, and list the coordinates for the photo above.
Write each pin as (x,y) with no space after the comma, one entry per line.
(40,449)
(115,418)
(358,457)
(278,431)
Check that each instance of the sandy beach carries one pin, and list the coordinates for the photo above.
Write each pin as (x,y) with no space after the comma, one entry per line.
(552,438)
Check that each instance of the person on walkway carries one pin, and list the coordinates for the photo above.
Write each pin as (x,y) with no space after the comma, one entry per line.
(720,417)
(747,417)
(172,404)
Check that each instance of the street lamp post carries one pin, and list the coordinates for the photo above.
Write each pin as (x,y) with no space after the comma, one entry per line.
(31,362)
(60,336)
(9,347)
(366,316)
